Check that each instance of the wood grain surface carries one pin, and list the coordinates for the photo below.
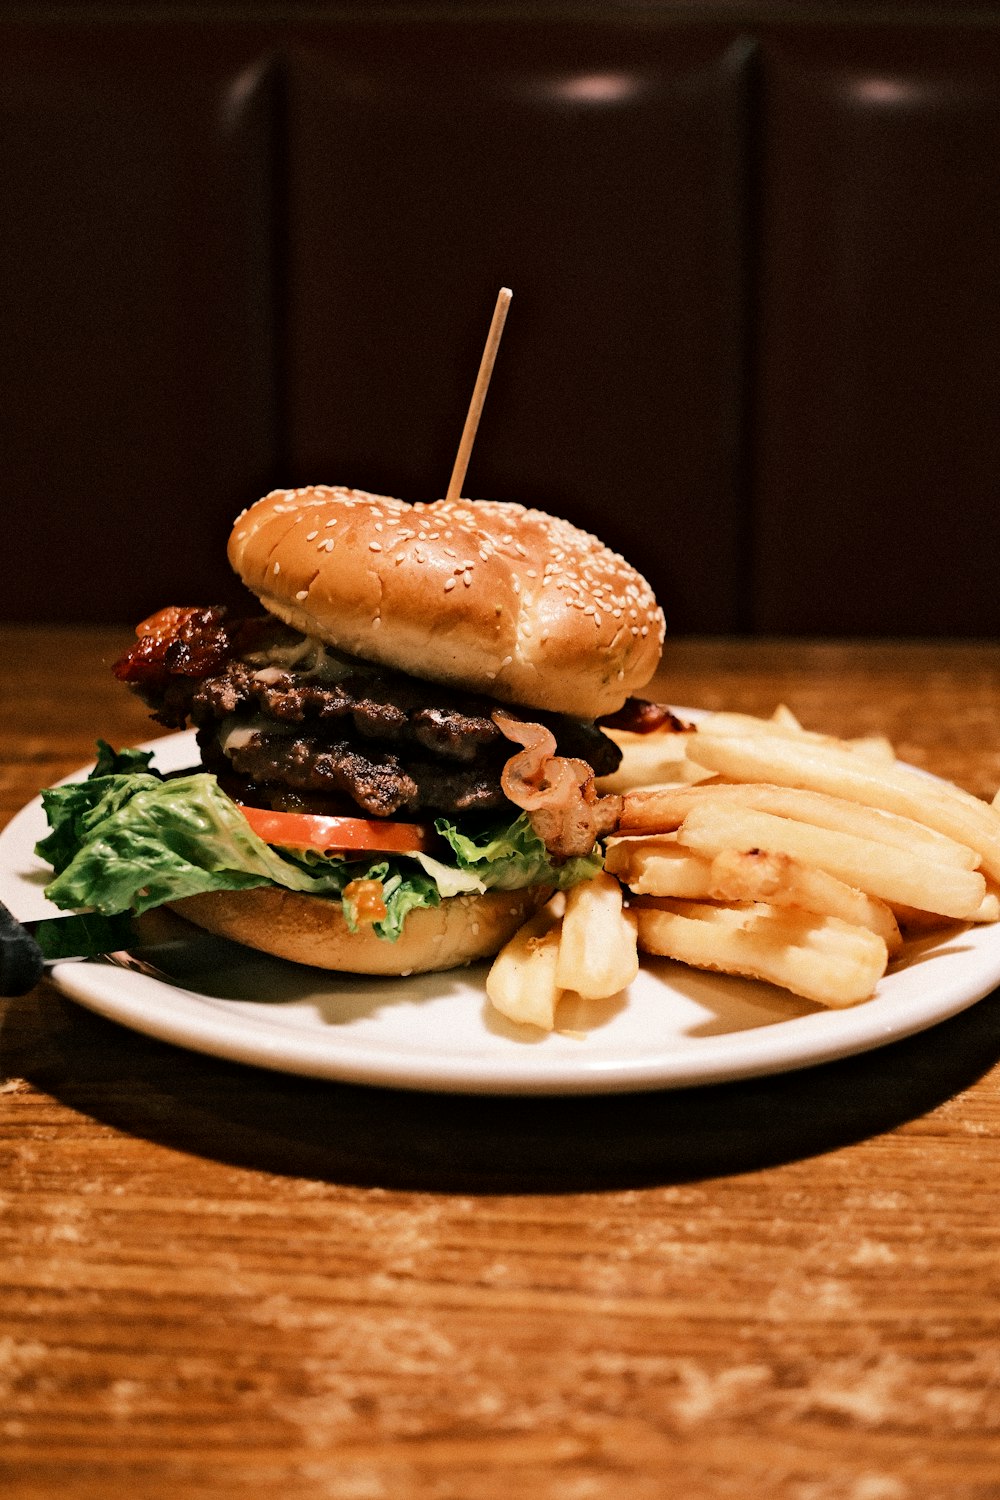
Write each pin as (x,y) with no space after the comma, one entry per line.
(218,1281)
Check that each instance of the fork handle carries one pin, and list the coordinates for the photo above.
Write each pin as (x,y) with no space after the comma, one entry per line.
(21,960)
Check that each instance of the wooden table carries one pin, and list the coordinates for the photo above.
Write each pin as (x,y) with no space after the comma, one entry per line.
(225,1282)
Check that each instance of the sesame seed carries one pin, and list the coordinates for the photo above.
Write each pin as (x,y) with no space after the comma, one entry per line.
(449,585)
(302,594)
(311,536)
(374,546)
(277,569)
(467,578)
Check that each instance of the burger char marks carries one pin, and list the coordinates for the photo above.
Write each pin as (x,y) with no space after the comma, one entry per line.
(376,781)
(390,709)
(389,743)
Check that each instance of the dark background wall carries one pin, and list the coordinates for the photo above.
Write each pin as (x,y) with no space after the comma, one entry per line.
(754,251)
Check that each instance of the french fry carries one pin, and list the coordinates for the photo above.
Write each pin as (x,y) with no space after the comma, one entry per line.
(655,759)
(893,875)
(821,958)
(784,724)
(663,867)
(840,773)
(597,955)
(989,911)
(522,980)
(659,867)
(782,880)
(914,923)
(756,847)
(877,747)
(665,809)
(799,857)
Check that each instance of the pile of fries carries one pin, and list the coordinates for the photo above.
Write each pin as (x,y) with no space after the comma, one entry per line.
(756,847)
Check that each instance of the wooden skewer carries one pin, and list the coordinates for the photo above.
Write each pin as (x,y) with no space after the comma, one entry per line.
(479,394)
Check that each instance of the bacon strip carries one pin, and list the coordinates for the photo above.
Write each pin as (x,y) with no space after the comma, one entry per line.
(179,647)
(556,792)
(641,716)
(177,642)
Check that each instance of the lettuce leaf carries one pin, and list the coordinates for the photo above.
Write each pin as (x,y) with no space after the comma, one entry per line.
(66,807)
(112,762)
(128,839)
(82,934)
(510,856)
(132,842)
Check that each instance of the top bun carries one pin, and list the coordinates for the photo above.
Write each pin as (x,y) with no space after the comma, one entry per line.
(480,594)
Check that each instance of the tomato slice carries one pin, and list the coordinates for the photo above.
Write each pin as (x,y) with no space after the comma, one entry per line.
(330,835)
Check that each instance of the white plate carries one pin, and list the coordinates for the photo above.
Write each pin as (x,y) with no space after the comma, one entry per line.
(674,1027)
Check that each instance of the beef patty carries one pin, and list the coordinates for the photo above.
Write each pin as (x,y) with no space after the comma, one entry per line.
(322,725)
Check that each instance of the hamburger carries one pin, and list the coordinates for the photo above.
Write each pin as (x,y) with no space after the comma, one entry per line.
(398,751)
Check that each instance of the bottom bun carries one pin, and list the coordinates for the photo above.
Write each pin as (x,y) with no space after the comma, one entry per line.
(310,930)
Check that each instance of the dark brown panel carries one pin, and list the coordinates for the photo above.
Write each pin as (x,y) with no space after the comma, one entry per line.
(878,436)
(598,171)
(136,307)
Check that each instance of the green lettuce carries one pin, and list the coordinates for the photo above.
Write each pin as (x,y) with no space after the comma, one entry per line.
(511,856)
(81,934)
(128,839)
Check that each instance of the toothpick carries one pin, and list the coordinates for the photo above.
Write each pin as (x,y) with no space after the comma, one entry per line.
(479,394)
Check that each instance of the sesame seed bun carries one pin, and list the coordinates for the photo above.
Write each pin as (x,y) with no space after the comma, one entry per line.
(309,930)
(482,595)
